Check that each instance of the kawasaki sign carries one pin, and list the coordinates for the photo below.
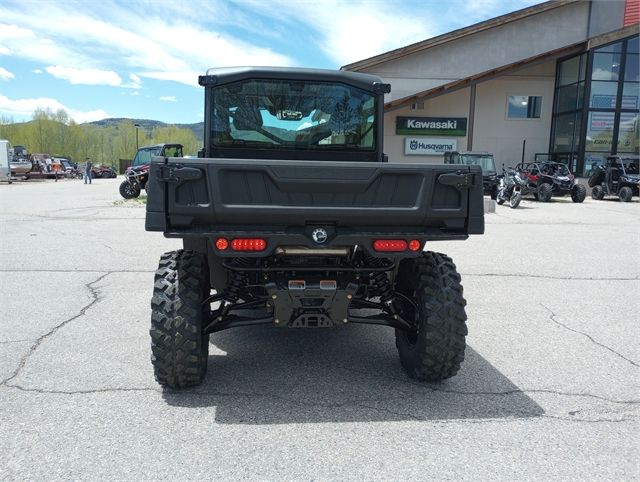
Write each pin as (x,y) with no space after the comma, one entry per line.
(441,126)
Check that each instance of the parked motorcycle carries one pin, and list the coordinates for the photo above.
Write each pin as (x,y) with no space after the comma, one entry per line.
(73,173)
(512,186)
(135,180)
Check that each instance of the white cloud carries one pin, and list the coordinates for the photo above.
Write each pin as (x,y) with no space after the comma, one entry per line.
(188,78)
(5,74)
(94,37)
(37,71)
(93,77)
(135,83)
(348,31)
(351,30)
(25,108)
(171,98)
(85,76)
(91,116)
(14,32)
(4,50)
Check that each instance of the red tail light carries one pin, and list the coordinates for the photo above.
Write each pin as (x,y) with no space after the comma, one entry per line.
(390,245)
(222,244)
(248,244)
(414,245)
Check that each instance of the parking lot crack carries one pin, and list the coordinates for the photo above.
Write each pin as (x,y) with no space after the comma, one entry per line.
(553,318)
(562,278)
(539,390)
(32,350)
(82,392)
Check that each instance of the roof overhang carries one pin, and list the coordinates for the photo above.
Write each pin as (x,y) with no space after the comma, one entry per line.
(575,48)
(484,76)
(456,34)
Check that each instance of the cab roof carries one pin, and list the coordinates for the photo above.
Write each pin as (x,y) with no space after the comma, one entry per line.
(226,75)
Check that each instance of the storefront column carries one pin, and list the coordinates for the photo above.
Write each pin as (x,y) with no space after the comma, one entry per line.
(472,111)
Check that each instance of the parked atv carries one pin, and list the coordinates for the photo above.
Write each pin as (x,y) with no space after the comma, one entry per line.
(135,179)
(617,177)
(137,175)
(103,172)
(550,179)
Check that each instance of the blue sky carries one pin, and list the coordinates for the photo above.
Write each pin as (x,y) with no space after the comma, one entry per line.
(141,59)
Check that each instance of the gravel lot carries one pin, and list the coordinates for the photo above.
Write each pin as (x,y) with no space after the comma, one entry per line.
(549,389)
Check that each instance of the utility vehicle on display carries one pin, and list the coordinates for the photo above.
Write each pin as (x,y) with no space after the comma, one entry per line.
(483,159)
(550,179)
(292,215)
(617,177)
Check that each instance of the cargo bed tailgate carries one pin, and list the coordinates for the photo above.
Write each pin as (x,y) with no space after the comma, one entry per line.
(235,193)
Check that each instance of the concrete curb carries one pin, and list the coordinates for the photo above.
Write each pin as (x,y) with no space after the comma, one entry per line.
(489,206)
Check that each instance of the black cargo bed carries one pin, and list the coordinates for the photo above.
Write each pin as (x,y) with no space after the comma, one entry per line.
(206,195)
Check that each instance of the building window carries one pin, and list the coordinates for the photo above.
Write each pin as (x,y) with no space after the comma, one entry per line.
(524,107)
(614,99)
(628,131)
(595,111)
(569,98)
(567,129)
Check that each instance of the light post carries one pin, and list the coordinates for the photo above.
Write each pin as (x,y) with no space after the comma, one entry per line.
(137,126)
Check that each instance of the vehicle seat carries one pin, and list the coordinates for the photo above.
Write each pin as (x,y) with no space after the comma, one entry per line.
(615,174)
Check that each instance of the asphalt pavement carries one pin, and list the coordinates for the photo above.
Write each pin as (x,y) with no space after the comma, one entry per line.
(549,389)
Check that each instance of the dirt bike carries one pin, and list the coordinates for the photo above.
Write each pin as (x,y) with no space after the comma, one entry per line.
(512,186)
(135,179)
(73,173)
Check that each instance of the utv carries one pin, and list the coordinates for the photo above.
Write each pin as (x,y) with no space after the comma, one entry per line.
(483,159)
(291,217)
(136,175)
(552,179)
(617,177)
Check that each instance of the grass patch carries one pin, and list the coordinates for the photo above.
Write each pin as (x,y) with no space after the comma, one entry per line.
(142,199)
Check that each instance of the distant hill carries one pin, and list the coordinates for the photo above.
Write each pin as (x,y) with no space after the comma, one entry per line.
(148,125)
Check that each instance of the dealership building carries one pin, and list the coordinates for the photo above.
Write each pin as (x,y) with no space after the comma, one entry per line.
(561,77)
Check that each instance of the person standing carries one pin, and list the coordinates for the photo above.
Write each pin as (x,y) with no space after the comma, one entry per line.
(87,170)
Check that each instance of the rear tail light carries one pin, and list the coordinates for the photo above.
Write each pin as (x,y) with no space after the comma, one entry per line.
(414,245)
(222,244)
(390,245)
(248,244)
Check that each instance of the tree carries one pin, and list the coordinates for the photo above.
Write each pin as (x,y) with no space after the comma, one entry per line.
(57,134)
(42,132)
(172,133)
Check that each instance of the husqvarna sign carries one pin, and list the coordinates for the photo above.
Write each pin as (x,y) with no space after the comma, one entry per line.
(428,126)
(428,146)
